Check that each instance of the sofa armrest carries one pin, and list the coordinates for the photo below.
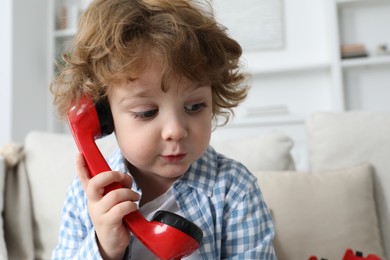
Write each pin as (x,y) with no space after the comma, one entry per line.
(2,167)
(3,249)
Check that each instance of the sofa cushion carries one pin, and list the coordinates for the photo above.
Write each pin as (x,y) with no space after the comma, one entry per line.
(344,139)
(322,214)
(270,151)
(48,167)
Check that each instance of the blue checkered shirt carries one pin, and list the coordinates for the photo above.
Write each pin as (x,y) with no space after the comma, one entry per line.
(216,193)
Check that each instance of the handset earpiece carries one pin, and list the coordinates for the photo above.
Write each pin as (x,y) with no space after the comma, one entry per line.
(167,235)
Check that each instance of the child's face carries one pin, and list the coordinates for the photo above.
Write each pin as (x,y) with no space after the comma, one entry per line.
(161,133)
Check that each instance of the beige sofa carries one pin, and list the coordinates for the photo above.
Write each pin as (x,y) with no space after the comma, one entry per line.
(342,202)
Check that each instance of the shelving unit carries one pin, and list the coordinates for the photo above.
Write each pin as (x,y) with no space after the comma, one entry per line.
(66,13)
(60,34)
(364,81)
(348,84)
(350,21)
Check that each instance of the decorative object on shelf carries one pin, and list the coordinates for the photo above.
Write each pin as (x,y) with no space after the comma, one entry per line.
(61,18)
(382,49)
(69,13)
(353,51)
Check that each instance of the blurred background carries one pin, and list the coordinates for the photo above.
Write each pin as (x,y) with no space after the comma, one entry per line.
(303,56)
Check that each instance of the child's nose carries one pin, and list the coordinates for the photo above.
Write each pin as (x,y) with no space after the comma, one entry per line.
(174,128)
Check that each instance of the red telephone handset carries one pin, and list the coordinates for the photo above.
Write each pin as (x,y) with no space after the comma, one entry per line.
(167,235)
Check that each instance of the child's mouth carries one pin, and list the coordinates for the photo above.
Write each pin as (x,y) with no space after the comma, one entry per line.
(173,158)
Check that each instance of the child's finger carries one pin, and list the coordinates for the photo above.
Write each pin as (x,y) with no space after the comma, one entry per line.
(127,181)
(97,184)
(119,197)
(118,211)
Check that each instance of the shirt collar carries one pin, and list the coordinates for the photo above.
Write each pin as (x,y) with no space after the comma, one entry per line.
(202,173)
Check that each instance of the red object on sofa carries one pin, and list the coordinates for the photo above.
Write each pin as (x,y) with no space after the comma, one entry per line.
(350,255)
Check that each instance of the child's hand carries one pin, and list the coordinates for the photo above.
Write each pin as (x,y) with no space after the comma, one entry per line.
(107,211)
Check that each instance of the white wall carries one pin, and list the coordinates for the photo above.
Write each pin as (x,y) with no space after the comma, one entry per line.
(30,67)
(301,69)
(24,69)
(306,42)
(5,70)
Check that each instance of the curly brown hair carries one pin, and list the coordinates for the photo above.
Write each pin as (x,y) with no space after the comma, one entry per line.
(118,39)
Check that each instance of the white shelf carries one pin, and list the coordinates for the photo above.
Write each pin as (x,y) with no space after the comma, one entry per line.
(304,67)
(370,61)
(266,121)
(67,33)
(347,1)
(341,2)
(364,80)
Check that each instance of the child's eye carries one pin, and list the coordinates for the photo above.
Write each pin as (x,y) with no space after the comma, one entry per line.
(193,108)
(144,114)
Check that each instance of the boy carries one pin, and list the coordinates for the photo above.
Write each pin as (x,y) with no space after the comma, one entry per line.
(168,70)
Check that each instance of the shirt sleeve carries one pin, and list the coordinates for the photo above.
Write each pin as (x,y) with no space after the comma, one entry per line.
(77,239)
(249,230)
